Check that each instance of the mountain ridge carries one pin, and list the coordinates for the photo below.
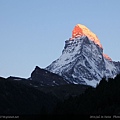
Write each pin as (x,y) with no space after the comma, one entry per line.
(83,61)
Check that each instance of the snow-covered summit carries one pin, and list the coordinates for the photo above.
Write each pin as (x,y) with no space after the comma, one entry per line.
(82,62)
(81,30)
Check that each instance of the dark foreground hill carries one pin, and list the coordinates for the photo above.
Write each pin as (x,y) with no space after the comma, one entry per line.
(22,97)
(18,98)
(102,100)
(27,97)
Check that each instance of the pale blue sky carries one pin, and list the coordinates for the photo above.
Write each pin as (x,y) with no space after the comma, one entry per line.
(33,32)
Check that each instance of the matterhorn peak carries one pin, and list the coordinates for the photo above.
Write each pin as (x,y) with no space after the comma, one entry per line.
(82,60)
(81,30)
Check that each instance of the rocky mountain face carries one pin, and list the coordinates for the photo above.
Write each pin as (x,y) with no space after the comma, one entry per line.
(83,61)
(46,78)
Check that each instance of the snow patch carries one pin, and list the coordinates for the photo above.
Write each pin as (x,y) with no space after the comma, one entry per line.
(17,79)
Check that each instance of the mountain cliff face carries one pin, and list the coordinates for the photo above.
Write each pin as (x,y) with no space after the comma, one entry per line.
(46,78)
(82,60)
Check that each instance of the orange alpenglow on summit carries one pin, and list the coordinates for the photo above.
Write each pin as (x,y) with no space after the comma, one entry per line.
(81,30)
(107,57)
